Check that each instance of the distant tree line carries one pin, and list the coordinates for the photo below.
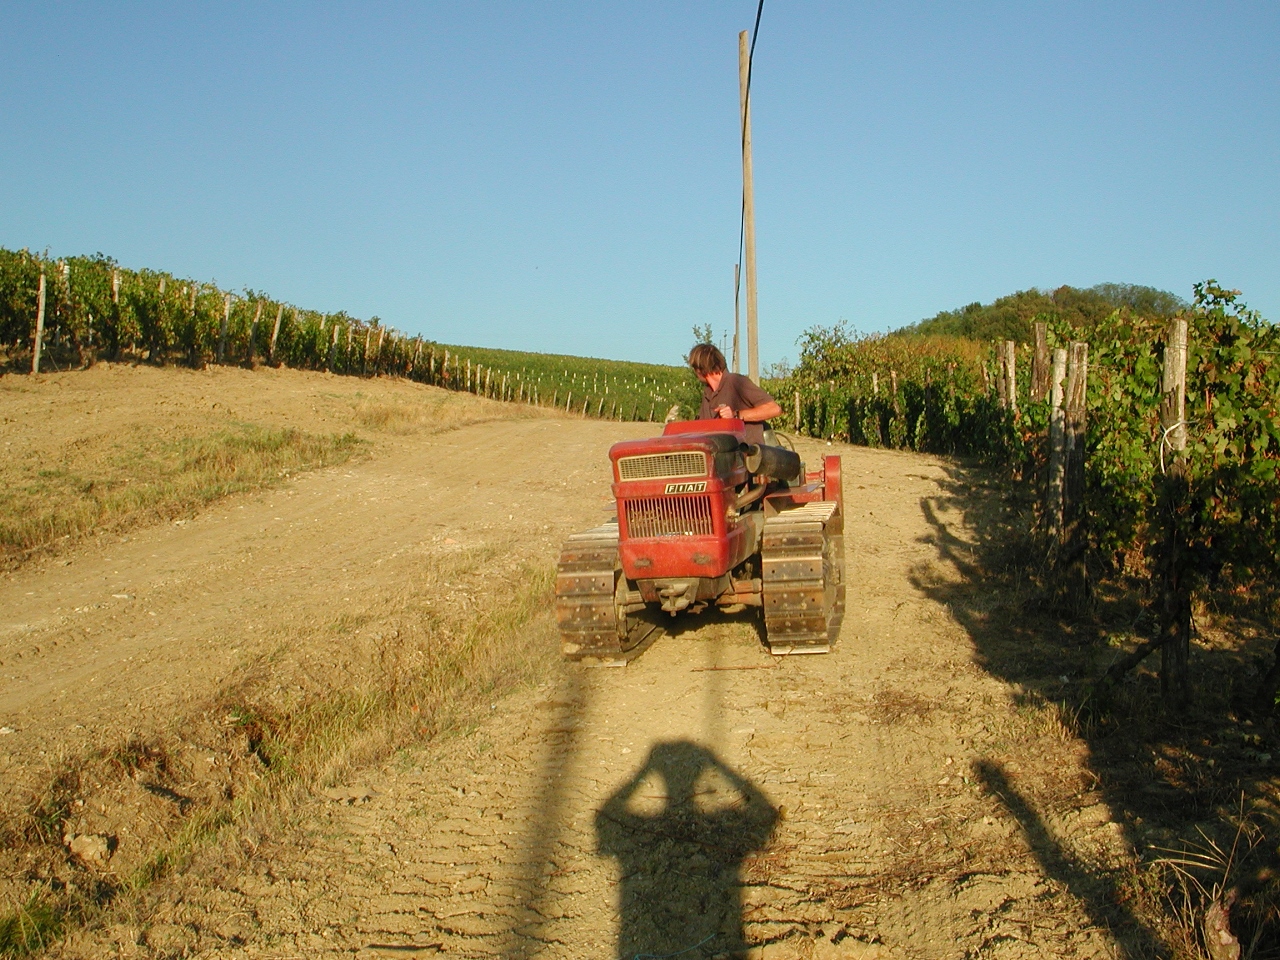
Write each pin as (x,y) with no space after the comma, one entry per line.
(1010,317)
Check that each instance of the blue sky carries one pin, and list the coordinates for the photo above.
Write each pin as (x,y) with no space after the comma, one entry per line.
(565,176)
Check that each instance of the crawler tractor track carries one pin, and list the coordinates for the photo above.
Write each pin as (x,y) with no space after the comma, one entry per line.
(802,556)
(594,625)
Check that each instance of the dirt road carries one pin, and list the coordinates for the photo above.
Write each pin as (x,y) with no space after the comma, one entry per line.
(121,631)
(892,799)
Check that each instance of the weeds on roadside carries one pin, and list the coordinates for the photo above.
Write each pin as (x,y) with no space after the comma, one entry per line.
(42,504)
(436,412)
(30,926)
(1206,883)
(430,667)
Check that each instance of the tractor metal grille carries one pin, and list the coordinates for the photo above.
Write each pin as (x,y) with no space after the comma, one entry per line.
(669,517)
(660,466)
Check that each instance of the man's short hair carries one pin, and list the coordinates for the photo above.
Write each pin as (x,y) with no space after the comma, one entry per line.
(706,358)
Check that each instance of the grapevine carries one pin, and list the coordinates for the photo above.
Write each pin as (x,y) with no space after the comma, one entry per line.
(96,309)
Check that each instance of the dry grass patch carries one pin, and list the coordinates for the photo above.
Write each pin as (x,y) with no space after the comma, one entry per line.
(115,484)
(435,411)
(471,625)
(116,447)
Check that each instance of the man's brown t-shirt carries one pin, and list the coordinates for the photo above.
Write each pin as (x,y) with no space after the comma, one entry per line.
(738,393)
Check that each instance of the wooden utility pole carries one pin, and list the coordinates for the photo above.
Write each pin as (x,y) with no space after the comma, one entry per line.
(748,203)
(737,324)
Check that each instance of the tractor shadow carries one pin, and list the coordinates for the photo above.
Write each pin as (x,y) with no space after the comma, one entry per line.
(680,829)
(1172,782)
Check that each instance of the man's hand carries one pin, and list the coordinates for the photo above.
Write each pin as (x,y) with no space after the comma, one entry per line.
(724,412)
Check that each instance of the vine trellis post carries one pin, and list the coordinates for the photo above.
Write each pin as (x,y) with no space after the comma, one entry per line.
(1057,449)
(222,330)
(1007,378)
(35,352)
(252,358)
(1072,555)
(275,335)
(1040,364)
(1174,563)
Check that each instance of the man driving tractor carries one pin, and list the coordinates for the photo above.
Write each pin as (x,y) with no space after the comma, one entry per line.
(731,395)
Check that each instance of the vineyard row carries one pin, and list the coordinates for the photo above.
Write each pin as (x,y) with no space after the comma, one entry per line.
(1171,429)
(78,310)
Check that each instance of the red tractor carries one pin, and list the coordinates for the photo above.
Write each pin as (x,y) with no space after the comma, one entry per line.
(706,519)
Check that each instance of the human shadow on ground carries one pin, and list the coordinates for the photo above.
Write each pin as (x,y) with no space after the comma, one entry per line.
(1173,781)
(680,829)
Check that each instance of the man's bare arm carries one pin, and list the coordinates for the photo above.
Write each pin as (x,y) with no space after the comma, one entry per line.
(757,414)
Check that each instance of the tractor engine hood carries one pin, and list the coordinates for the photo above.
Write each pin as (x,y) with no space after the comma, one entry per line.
(709,436)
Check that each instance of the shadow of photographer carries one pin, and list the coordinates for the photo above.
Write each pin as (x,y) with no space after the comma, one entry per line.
(680,830)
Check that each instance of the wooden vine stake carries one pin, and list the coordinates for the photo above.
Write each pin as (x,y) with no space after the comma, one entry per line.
(333,348)
(253,335)
(1007,378)
(1073,570)
(1057,450)
(1174,564)
(35,350)
(275,335)
(222,332)
(1040,364)
(193,352)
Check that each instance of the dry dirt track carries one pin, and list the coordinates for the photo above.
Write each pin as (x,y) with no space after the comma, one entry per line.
(124,633)
(891,799)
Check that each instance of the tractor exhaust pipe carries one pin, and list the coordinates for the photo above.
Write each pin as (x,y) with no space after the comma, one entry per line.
(773,462)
